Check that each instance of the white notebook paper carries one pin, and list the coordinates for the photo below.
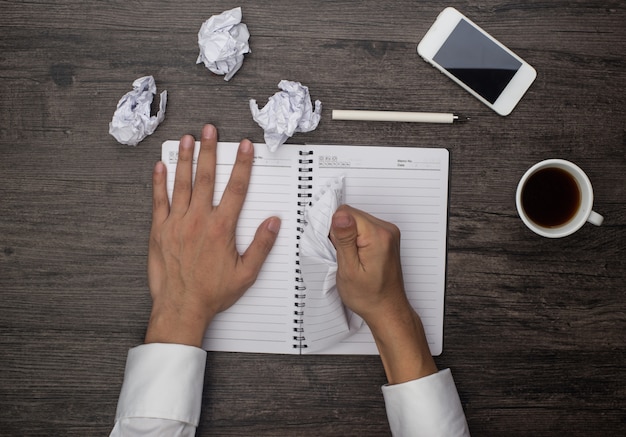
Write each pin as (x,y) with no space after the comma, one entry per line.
(403,185)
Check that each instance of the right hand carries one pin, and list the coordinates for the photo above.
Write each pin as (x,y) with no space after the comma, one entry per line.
(369,276)
(370,283)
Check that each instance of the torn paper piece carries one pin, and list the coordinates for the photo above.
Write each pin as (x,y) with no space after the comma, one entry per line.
(318,266)
(318,219)
(286,112)
(223,40)
(131,121)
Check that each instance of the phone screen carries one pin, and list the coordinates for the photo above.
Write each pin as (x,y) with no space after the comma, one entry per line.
(477,61)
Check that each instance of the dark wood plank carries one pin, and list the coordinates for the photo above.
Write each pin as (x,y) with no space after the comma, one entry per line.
(534,330)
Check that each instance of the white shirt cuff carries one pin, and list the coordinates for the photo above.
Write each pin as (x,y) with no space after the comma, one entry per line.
(427,406)
(163,381)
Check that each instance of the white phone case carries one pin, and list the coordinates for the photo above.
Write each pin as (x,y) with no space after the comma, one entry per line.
(439,33)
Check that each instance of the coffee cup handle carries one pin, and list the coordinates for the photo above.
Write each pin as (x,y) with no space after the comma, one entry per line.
(595,218)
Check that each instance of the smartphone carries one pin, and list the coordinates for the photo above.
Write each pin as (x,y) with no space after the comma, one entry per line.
(475,60)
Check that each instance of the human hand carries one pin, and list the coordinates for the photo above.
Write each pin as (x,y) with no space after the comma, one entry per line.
(370,283)
(369,276)
(194,269)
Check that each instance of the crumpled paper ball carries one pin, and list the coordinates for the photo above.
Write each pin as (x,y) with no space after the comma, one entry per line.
(286,112)
(131,121)
(223,40)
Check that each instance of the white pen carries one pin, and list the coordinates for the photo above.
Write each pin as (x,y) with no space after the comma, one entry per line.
(414,117)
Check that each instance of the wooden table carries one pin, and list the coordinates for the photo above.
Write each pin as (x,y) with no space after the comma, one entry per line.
(534,328)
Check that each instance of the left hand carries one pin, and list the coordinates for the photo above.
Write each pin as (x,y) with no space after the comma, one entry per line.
(194,269)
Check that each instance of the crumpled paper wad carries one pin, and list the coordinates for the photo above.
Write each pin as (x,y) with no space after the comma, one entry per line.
(318,256)
(286,112)
(314,241)
(131,121)
(223,40)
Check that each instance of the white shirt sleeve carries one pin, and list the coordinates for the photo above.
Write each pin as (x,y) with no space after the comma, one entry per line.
(428,406)
(162,391)
(162,395)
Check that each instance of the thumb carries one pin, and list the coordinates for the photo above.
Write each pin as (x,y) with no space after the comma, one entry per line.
(343,234)
(261,245)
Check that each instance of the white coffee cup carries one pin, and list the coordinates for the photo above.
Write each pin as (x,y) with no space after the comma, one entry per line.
(545,188)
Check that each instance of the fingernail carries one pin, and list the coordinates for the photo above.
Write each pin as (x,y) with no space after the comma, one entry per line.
(342,220)
(159,167)
(274,225)
(245,146)
(209,132)
(187,142)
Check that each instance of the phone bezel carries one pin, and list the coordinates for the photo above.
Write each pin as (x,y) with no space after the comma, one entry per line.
(437,35)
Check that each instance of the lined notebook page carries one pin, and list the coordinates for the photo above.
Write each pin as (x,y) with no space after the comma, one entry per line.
(262,320)
(408,187)
(326,321)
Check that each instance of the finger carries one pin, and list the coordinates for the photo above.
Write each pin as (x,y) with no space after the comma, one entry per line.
(237,187)
(204,183)
(182,181)
(343,234)
(263,242)
(160,203)
(367,224)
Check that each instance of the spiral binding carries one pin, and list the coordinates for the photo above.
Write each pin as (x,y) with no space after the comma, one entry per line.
(305,185)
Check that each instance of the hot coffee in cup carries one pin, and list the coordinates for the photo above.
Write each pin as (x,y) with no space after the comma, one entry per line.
(554,199)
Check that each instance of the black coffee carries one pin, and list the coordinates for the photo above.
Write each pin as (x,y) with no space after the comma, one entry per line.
(551,197)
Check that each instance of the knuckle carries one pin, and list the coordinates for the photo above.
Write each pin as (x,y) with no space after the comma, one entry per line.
(220,228)
(159,202)
(395,231)
(155,239)
(266,245)
(238,186)
(182,186)
(249,277)
(204,178)
(245,275)
(389,236)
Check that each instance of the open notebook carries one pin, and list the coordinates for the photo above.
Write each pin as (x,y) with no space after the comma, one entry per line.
(403,185)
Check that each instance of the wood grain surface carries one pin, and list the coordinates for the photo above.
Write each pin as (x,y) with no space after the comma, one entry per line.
(535,329)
